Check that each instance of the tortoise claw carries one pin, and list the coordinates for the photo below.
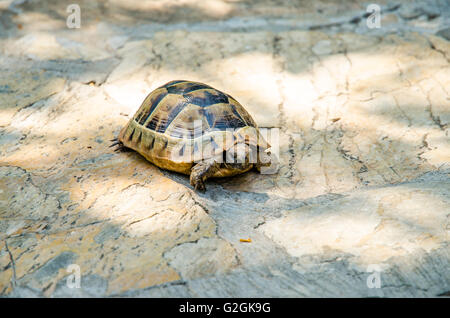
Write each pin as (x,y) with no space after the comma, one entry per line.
(200,186)
(197,182)
(119,146)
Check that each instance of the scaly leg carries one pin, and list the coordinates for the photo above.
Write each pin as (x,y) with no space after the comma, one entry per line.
(202,171)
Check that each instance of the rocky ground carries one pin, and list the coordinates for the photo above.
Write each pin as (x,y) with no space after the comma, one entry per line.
(363,117)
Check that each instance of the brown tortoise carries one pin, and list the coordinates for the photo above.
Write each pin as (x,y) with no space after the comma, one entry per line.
(192,128)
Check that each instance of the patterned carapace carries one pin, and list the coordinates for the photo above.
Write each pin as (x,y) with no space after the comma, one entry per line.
(166,130)
(174,107)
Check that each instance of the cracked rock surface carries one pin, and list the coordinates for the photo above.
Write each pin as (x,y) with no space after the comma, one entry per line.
(363,117)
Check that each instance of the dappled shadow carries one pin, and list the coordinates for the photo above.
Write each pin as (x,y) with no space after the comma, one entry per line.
(118,214)
(133,11)
(413,275)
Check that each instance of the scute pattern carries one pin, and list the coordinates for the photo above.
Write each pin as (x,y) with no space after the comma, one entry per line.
(152,101)
(183,87)
(224,116)
(174,107)
(206,97)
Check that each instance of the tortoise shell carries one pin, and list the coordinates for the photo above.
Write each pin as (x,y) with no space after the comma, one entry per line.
(183,122)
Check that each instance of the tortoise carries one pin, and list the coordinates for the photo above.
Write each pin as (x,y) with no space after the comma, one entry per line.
(195,129)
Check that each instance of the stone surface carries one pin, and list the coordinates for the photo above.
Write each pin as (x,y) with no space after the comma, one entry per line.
(370,225)
(362,117)
(214,256)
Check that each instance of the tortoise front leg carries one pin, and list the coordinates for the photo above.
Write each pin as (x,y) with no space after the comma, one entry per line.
(202,171)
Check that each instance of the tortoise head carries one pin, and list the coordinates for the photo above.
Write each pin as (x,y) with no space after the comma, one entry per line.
(252,146)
